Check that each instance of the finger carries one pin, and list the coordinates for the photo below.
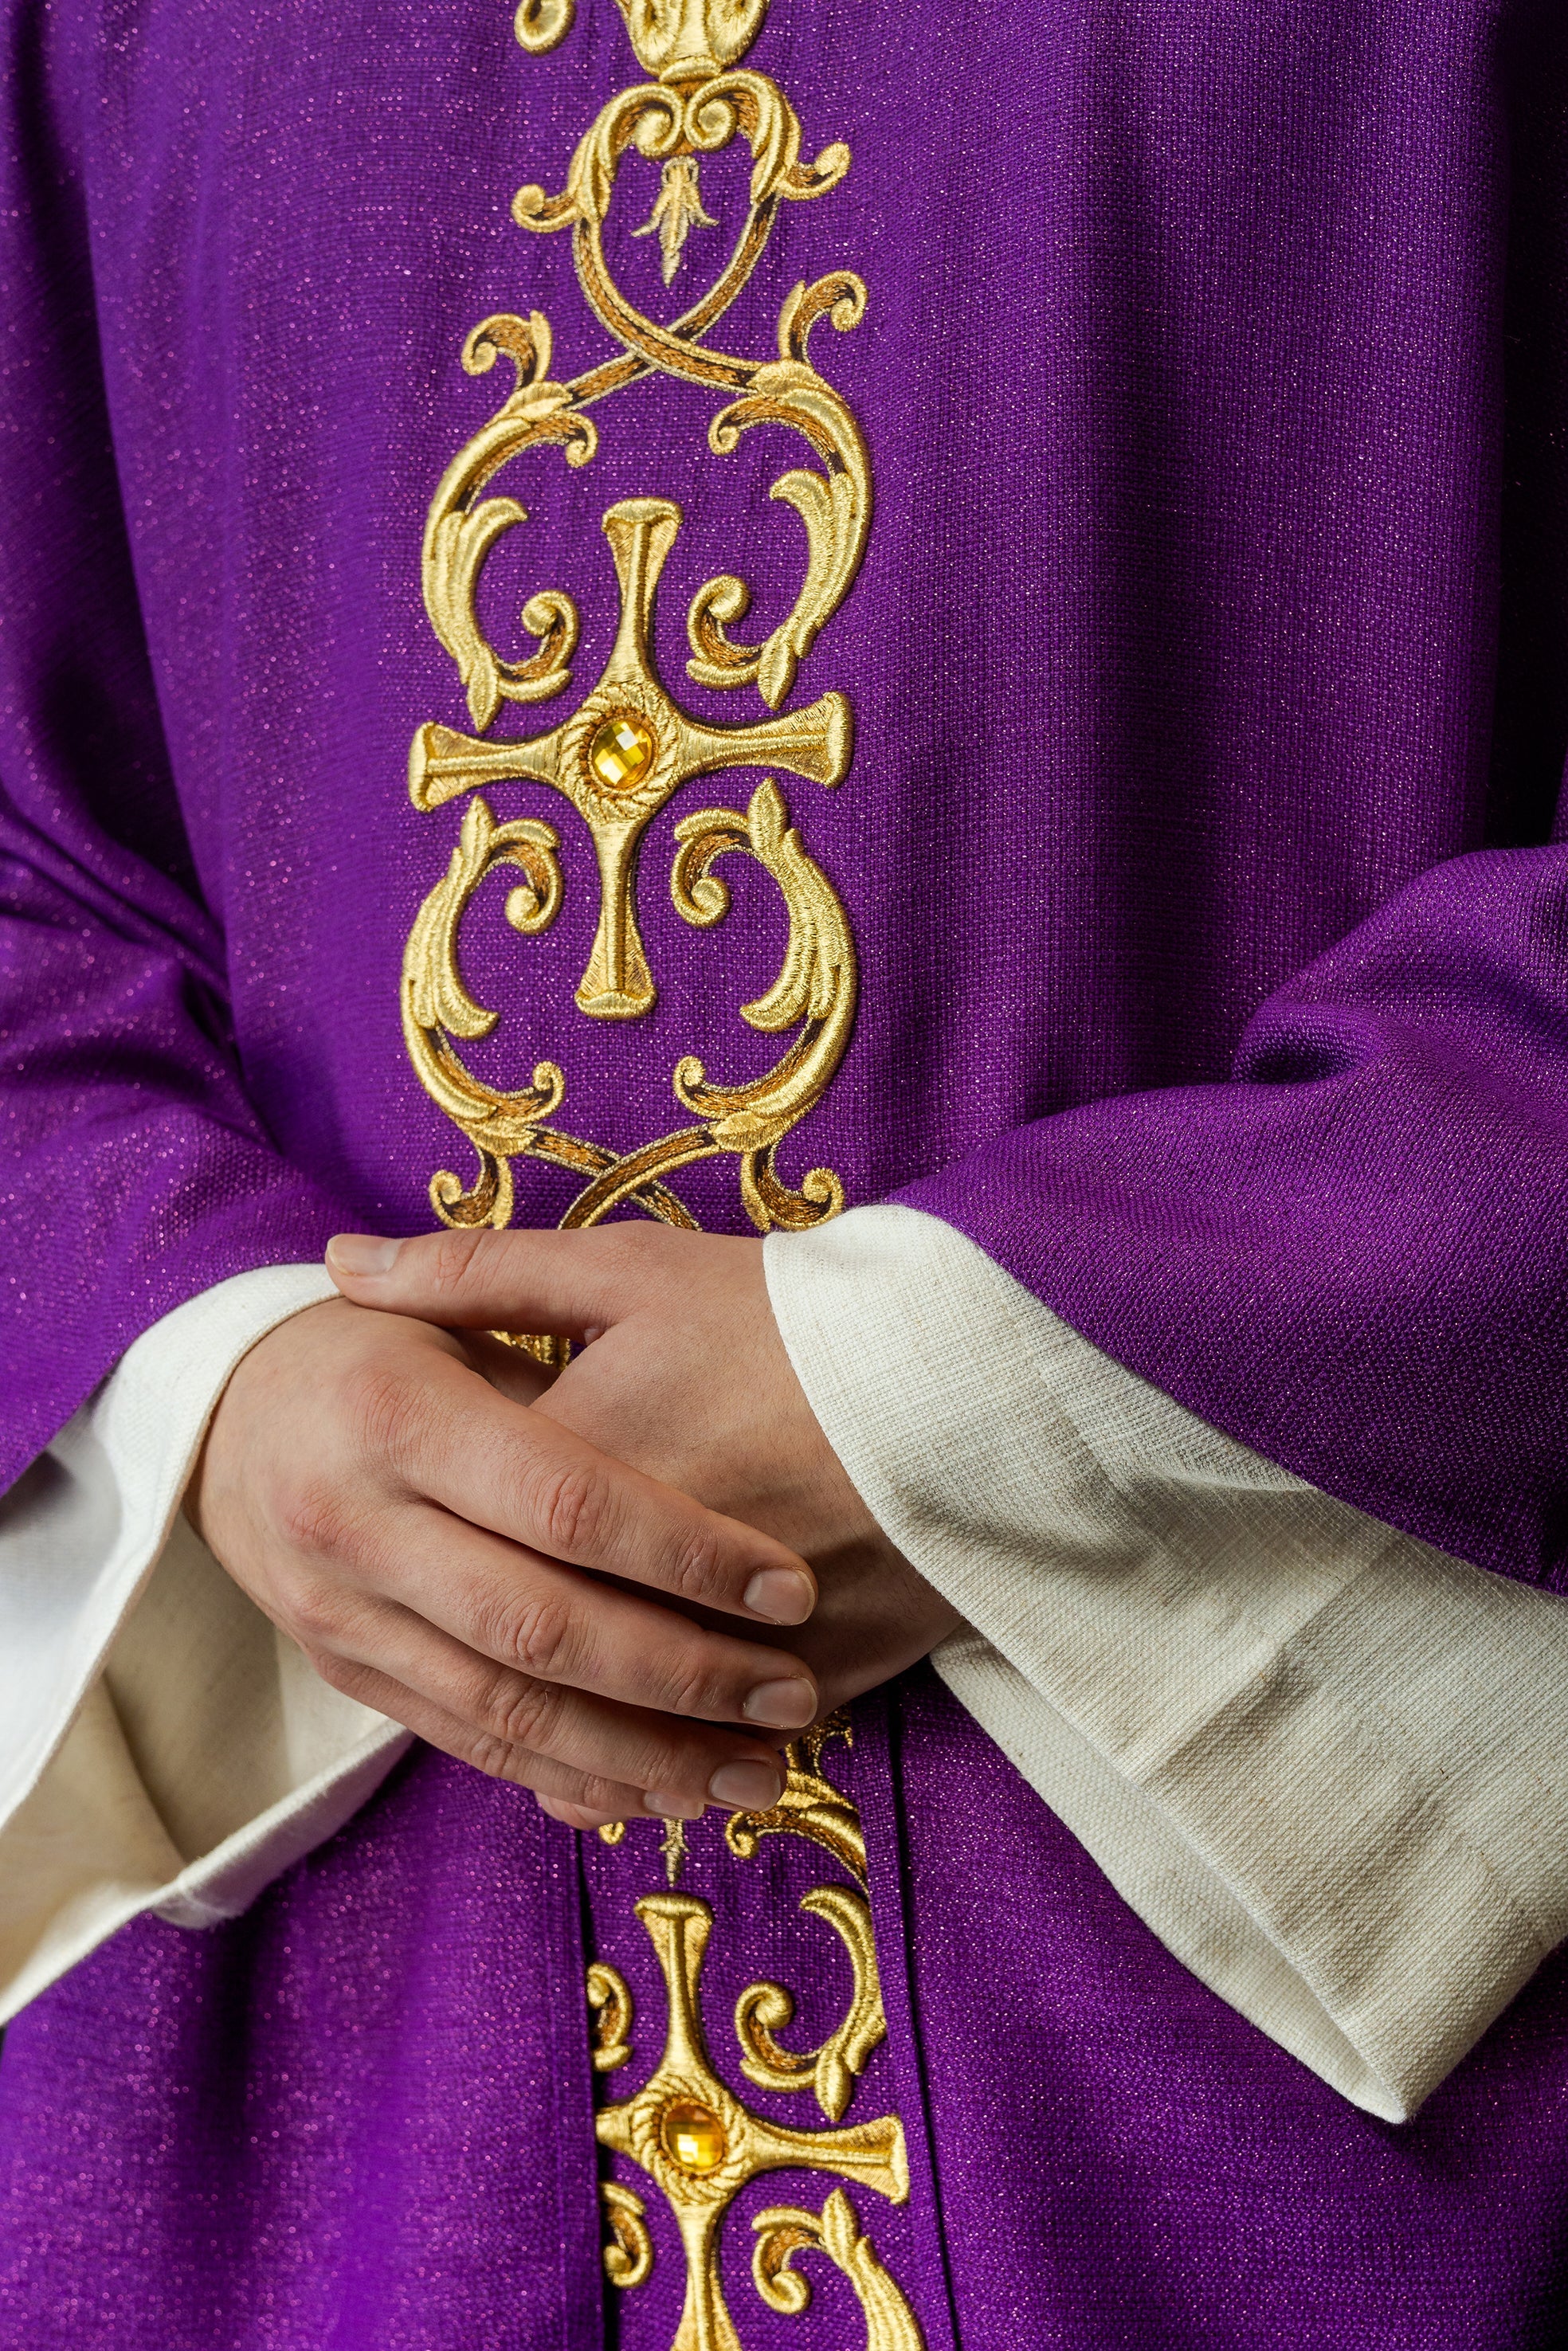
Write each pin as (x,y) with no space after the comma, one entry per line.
(552,1624)
(572,1816)
(535,1481)
(598,1799)
(592,1737)
(569,1283)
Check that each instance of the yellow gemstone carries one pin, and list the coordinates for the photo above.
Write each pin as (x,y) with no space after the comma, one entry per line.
(621,752)
(692,2136)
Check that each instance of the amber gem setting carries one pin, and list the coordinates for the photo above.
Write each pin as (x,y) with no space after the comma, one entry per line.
(694,2136)
(621,752)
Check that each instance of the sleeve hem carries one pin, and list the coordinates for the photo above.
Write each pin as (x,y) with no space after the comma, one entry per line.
(1319,1758)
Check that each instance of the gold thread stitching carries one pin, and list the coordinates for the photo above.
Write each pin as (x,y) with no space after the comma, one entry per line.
(629,2256)
(785,2230)
(700,102)
(734,2145)
(700,2146)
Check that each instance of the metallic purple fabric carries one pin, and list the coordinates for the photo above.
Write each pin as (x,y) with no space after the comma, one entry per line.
(358,2119)
(1211,633)
(1215,606)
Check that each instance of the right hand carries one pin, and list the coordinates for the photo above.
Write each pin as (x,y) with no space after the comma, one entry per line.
(438,1551)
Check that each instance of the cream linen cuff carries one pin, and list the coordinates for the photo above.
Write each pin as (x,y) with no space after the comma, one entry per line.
(162,1746)
(1325,1764)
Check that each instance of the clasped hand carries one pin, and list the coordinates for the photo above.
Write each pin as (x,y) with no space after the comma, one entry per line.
(624,1586)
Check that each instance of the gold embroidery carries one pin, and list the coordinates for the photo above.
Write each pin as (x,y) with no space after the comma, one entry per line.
(628,2257)
(673,1851)
(811,1806)
(677,210)
(766,2008)
(784,2230)
(628,747)
(700,2146)
(610,1996)
(677,39)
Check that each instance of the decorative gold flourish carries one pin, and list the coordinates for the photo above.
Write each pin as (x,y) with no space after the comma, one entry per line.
(680,39)
(700,2146)
(628,747)
(673,1851)
(764,2009)
(785,2230)
(462,526)
(814,742)
(811,1806)
(677,210)
(610,1996)
(629,2256)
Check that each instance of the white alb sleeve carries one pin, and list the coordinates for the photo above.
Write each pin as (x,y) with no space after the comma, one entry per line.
(1325,1764)
(162,1747)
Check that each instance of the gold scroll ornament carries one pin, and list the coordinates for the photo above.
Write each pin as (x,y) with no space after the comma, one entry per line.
(628,747)
(700,2144)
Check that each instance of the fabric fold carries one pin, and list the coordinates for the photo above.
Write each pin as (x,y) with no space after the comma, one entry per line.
(1322,1761)
(166,1747)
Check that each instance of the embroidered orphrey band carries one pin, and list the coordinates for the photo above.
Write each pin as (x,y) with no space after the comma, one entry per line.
(628,746)
(700,2144)
(621,756)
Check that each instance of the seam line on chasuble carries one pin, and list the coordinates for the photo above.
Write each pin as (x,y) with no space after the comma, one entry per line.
(629,747)
(618,759)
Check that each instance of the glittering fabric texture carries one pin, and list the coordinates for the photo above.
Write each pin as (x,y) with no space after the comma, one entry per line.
(360,2116)
(1208,677)
(1214,607)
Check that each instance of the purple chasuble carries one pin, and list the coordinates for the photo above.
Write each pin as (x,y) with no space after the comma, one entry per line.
(358,2119)
(1150,870)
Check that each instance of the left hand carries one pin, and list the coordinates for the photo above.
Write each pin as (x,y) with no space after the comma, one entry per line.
(687,1379)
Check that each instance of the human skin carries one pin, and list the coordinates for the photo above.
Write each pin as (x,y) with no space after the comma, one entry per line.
(555,1581)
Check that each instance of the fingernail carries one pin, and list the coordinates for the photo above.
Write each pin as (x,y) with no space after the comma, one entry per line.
(783,1705)
(782,1594)
(361,1253)
(674,1808)
(748,1787)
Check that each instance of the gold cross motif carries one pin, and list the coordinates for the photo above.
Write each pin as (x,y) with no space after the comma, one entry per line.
(624,752)
(700,2146)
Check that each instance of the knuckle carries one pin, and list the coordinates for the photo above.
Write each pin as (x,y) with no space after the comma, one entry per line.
(382,1402)
(315,1521)
(595,1793)
(491,1755)
(569,1509)
(695,1688)
(698,1567)
(542,1638)
(451,1261)
(338,1673)
(523,1715)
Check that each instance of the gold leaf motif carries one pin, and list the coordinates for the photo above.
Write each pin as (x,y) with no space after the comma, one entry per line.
(609,1997)
(809,1806)
(629,2256)
(785,2230)
(764,2009)
(542,25)
(677,210)
(463,526)
(678,38)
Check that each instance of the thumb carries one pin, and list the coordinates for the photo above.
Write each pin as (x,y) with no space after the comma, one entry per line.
(567,1283)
